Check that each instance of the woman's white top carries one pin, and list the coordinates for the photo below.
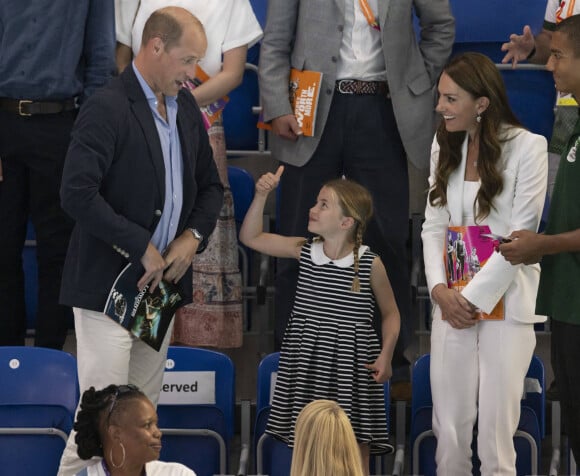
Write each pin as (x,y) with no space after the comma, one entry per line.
(153,468)
(470,189)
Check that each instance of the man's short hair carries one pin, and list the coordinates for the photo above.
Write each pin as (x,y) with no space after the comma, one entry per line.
(571,28)
(162,25)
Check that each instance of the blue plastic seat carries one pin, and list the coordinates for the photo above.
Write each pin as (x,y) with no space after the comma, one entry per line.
(527,440)
(484,27)
(260,8)
(38,400)
(273,457)
(239,119)
(30,268)
(493,21)
(196,409)
(242,186)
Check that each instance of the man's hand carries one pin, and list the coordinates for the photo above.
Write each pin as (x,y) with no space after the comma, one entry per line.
(179,255)
(455,309)
(519,46)
(286,127)
(524,247)
(154,265)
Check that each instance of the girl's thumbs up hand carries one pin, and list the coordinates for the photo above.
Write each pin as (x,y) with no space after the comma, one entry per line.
(269,181)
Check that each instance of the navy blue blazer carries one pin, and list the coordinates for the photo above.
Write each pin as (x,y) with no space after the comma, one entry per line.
(113,186)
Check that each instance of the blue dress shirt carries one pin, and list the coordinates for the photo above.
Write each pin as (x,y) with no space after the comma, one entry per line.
(173,161)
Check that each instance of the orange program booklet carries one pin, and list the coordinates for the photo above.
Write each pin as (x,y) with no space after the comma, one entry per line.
(466,250)
(212,112)
(304,91)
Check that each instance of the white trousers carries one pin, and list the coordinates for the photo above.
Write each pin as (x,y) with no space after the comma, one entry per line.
(482,368)
(107,354)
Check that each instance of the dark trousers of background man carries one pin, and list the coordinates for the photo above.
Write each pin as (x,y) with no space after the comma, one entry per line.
(32,150)
(566,364)
(361,141)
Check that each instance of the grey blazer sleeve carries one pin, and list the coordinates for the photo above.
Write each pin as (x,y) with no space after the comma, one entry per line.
(437,33)
(279,36)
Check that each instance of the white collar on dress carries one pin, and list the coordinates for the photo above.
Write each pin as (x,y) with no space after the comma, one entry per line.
(319,258)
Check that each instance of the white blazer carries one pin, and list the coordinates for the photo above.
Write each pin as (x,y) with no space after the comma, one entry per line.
(524,169)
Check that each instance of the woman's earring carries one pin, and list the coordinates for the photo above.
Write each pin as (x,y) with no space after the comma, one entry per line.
(478,118)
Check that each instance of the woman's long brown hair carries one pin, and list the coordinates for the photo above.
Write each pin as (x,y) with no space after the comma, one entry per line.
(478,75)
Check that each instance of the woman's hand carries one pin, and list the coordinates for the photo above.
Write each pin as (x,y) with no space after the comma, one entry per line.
(455,309)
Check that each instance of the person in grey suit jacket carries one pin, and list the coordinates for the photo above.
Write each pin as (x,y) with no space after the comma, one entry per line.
(376,109)
(141,183)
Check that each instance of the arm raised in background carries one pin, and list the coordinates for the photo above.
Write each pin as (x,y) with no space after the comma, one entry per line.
(525,47)
(252,234)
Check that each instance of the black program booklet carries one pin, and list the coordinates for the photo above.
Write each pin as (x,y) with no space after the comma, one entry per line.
(144,314)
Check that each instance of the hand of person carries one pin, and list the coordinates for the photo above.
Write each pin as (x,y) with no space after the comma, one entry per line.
(154,265)
(519,46)
(286,127)
(381,369)
(523,248)
(455,309)
(179,255)
(269,181)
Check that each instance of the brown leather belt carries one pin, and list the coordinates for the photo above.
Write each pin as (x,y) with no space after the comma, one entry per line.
(26,107)
(362,88)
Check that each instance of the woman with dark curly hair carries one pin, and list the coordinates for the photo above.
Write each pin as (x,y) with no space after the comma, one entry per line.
(119,424)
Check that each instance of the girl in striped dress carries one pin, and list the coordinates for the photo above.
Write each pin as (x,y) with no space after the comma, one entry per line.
(330,350)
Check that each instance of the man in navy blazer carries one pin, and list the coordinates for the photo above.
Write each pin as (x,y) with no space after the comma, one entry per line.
(141,183)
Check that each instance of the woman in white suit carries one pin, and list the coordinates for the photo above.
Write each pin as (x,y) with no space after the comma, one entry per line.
(485,170)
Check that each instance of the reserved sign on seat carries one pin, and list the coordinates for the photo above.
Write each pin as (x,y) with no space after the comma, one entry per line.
(188,388)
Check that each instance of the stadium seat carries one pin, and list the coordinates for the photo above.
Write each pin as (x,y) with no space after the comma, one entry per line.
(38,400)
(260,7)
(240,117)
(273,457)
(196,409)
(527,440)
(484,27)
(242,187)
(485,24)
(30,268)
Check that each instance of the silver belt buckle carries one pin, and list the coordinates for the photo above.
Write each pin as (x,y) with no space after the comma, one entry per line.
(20,104)
(340,83)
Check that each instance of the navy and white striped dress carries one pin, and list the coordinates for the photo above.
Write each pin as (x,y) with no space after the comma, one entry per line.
(328,340)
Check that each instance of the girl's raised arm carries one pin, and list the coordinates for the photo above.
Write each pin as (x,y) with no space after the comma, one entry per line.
(252,234)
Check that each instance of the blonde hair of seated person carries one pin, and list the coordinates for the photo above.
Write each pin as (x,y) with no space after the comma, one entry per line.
(324,443)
